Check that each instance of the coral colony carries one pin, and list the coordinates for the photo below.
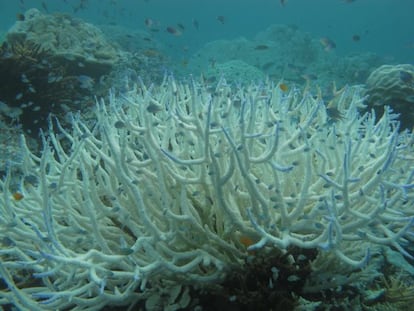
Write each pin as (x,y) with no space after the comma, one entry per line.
(176,184)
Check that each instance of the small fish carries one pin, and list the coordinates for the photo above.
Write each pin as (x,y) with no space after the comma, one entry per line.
(195,24)
(410,98)
(283,87)
(52,77)
(31,180)
(221,19)
(246,241)
(17,196)
(85,82)
(180,26)
(148,22)
(406,77)
(82,5)
(267,65)
(44,6)
(334,114)
(212,62)
(261,47)
(327,43)
(6,241)
(119,124)
(153,108)
(296,68)
(309,76)
(282,3)
(151,53)
(31,89)
(125,251)
(24,78)
(212,79)
(356,38)
(174,31)
(20,17)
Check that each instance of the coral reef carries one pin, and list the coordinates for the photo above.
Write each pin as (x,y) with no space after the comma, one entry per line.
(269,51)
(285,51)
(9,142)
(54,65)
(66,39)
(143,54)
(266,281)
(392,85)
(178,187)
(234,70)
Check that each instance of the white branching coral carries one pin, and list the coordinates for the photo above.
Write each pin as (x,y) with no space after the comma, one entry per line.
(171,181)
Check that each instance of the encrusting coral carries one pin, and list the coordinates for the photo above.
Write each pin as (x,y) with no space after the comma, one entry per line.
(392,85)
(178,184)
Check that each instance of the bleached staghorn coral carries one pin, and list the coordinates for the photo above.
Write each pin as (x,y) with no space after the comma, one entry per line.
(170,181)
